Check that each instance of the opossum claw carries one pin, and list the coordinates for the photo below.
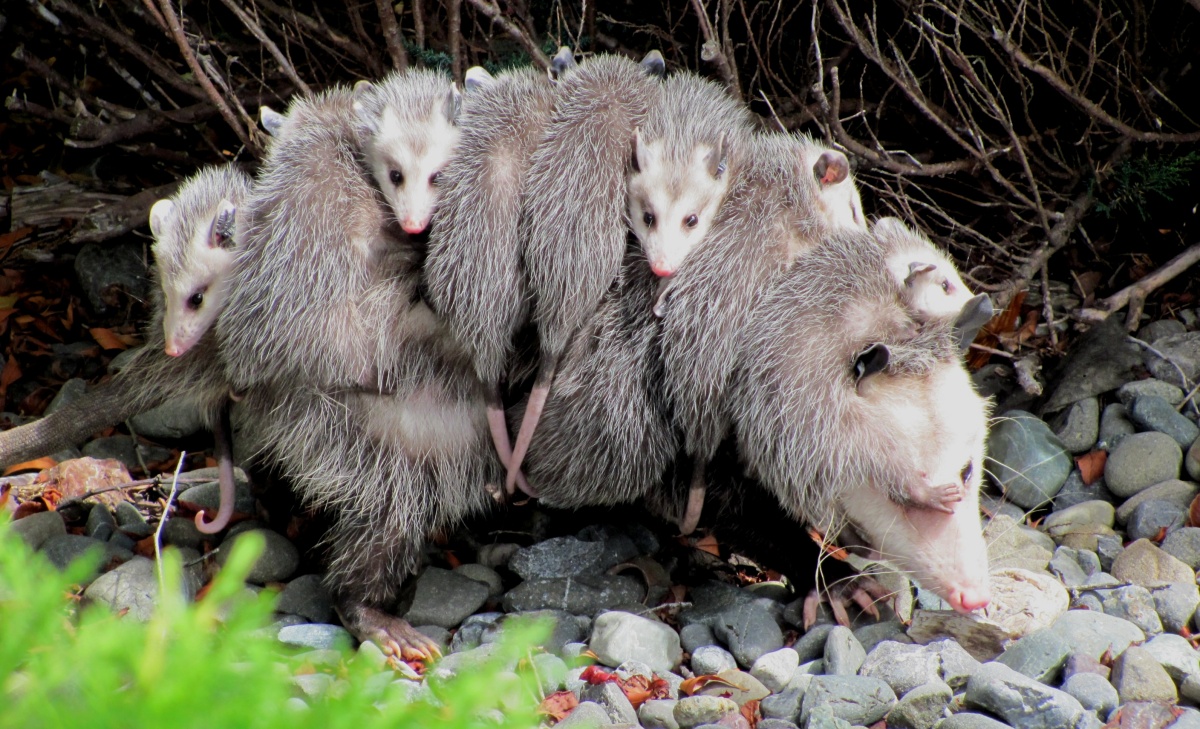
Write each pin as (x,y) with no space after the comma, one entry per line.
(393,635)
(939,498)
(863,590)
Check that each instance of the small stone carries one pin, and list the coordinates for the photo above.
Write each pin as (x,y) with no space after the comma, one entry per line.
(66,548)
(1039,655)
(1182,352)
(1026,459)
(1151,412)
(1010,546)
(586,595)
(659,714)
(857,699)
(903,667)
(776,724)
(1107,549)
(279,558)
(1190,688)
(1083,663)
(1138,677)
(37,529)
(783,705)
(957,664)
(496,555)
(1075,491)
(1143,563)
(182,532)
(1191,460)
(970,720)
(1151,518)
(473,631)
(1020,700)
(812,644)
(566,628)
(1176,604)
(693,711)
(1103,359)
(118,447)
(697,635)
(131,521)
(610,696)
(1133,603)
(1114,427)
(557,557)
(445,598)
(315,635)
(131,589)
(775,669)
(844,655)
(486,575)
(1079,425)
(1175,654)
(823,717)
(1131,391)
(175,419)
(872,634)
(100,523)
(1180,493)
(1140,461)
(1094,692)
(712,659)
(588,715)
(1093,633)
(307,597)
(921,708)
(618,637)
(1066,566)
(749,631)
(1184,545)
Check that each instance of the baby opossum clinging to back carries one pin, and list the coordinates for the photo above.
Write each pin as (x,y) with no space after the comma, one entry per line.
(376,415)
(932,288)
(861,429)
(575,233)
(194,240)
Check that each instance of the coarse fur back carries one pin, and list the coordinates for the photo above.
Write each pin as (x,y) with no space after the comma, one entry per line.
(473,268)
(685,155)
(769,217)
(573,221)
(929,279)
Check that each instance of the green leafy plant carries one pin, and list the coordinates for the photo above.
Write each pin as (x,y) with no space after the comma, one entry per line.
(211,663)
(1136,182)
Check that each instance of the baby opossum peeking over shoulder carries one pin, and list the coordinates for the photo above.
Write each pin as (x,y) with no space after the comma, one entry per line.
(929,280)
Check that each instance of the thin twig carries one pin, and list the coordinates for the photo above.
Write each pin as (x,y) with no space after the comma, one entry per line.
(1135,294)
(1184,383)
(162,522)
(1048,307)
(714,51)
(256,30)
(491,11)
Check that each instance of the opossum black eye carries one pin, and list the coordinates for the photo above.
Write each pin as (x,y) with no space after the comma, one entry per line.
(397,177)
(648,219)
(946,286)
(433,179)
(691,221)
(196,300)
(967,471)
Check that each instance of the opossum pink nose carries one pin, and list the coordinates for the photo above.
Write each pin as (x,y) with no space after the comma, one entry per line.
(414,226)
(969,599)
(172,349)
(661,269)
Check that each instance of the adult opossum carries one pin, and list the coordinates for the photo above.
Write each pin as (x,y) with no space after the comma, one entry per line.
(359,394)
(194,240)
(473,273)
(852,415)
(573,222)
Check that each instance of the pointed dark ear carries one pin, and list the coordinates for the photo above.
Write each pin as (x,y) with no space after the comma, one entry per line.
(871,360)
(831,167)
(476,78)
(453,104)
(915,269)
(975,313)
(654,64)
(221,233)
(717,159)
(562,62)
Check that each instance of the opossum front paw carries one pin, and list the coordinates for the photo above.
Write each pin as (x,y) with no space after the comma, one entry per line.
(939,498)
(863,591)
(394,636)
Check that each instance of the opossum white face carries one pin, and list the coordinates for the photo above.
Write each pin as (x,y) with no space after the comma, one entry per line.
(672,205)
(838,200)
(930,284)
(194,269)
(932,428)
(406,160)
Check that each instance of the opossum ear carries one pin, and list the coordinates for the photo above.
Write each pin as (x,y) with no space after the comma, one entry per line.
(161,215)
(453,104)
(476,78)
(654,64)
(718,158)
(975,313)
(638,159)
(871,360)
(271,120)
(831,168)
(221,233)
(915,269)
(362,90)
(562,62)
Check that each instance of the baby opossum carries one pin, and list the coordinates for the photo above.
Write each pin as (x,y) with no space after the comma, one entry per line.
(932,288)
(684,156)
(865,427)
(786,195)
(573,220)
(473,272)
(358,392)
(194,236)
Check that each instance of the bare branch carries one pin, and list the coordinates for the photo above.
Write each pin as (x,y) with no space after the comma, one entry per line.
(256,30)
(714,51)
(1135,294)
(491,11)
(391,34)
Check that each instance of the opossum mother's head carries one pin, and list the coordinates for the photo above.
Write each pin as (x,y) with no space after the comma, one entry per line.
(919,505)
(409,127)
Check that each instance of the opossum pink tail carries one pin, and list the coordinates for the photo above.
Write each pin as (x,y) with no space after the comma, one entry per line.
(223,443)
(533,413)
(695,502)
(499,428)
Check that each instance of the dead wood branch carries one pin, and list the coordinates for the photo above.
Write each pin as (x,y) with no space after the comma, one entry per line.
(391,35)
(256,30)
(1134,295)
(496,16)
(714,50)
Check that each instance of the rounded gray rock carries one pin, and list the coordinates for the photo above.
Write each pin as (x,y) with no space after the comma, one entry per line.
(279,558)
(1175,654)
(693,711)
(37,529)
(618,637)
(921,708)
(1173,491)
(307,597)
(1151,517)
(1176,604)
(1039,655)
(1133,603)
(445,598)
(658,714)
(1114,427)
(131,588)
(749,631)
(1151,412)
(712,659)
(783,705)
(1191,460)
(1094,692)
(1093,633)
(811,645)
(588,715)
(610,696)
(1140,461)
(1079,426)
(1184,545)
(1137,676)
(556,557)
(484,574)
(1020,700)
(971,720)
(584,595)
(844,655)
(697,635)
(1131,391)
(177,418)
(315,635)
(1027,459)
(902,666)
(775,669)
(857,699)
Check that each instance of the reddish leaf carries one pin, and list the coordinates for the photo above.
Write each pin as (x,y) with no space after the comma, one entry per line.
(1194,512)
(109,339)
(751,713)
(558,705)
(1091,466)
(7,239)
(595,675)
(708,543)
(692,685)
(826,546)
(37,464)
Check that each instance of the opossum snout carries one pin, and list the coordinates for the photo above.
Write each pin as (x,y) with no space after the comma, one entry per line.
(969,599)
(413,226)
(662,269)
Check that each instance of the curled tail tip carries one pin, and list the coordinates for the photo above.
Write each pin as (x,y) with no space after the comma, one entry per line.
(214,526)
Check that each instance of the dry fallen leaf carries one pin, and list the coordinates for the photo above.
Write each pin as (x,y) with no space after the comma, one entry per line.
(558,705)
(1091,466)
(692,685)
(38,464)
(108,339)
(708,543)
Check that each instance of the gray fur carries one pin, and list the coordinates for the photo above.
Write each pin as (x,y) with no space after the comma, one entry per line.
(473,268)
